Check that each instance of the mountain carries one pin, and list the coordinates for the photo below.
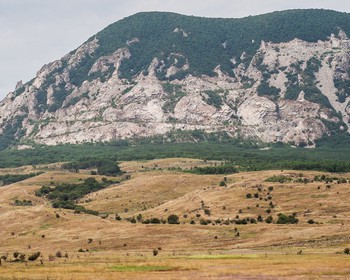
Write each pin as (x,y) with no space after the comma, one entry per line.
(278,77)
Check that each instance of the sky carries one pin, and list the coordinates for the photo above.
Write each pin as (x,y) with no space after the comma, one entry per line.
(36,32)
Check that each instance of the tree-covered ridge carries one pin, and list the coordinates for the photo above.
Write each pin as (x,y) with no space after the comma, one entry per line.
(208,42)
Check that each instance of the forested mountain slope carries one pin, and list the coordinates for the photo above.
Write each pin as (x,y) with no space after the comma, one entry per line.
(282,76)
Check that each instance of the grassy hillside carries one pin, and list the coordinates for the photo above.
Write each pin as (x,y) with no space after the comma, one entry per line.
(82,246)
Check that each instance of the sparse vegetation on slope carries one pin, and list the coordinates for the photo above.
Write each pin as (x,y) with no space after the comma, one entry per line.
(13,178)
(65,195)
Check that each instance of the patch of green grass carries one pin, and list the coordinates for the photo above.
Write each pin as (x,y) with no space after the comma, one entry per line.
(141,268)
(335,221)
(45,226)
(319,196)
(221,257)
(279,179)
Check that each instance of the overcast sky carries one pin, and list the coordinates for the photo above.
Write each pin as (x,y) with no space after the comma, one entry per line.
(35,32)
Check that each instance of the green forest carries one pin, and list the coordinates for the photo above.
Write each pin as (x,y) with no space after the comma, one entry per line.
(331,153)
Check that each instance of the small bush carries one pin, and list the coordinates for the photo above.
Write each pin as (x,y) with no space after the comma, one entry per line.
(284,219)
(222,184)
(22,257)
(347,251)
(155,221)
(34,256)
(173,219)
(269,220)
(207,211)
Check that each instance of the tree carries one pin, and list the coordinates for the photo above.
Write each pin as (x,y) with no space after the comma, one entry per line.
(109,169)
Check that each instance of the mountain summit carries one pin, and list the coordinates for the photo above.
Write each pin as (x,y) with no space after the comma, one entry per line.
(282,76)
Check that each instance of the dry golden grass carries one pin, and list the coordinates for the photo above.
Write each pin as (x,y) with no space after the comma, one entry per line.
(122,250)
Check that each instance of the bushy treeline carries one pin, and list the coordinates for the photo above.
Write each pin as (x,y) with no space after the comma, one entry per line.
(331,154)
(13,178)
(337,167)
(104,166)
(220,169)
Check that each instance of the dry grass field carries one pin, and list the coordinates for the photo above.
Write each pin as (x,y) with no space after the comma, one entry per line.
(82,246)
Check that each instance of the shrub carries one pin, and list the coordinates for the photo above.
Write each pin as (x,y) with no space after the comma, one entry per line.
(310,221)
(222,184)
(155,221)
(284,219)
(347,251)
(241,222)
(253,221)
(22,257)
(173,219)
(269,220)
(203,222)
(248,195)
(34,256)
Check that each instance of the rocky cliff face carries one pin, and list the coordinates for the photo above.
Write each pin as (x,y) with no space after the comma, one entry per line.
(294,92)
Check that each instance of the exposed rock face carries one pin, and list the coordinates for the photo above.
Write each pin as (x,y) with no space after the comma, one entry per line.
(53,109)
